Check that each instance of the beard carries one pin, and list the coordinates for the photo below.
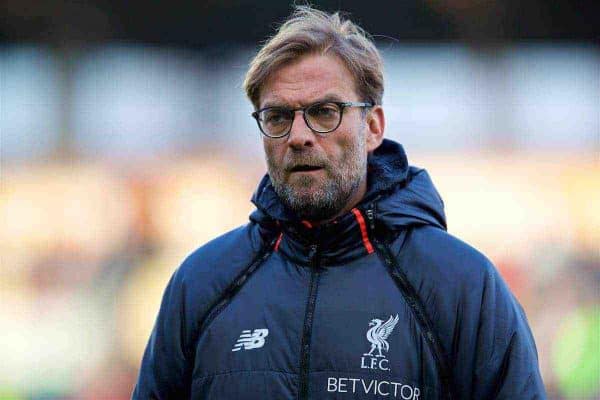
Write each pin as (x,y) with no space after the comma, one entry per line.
(321,197)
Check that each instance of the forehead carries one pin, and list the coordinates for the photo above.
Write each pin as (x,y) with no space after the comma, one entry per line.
(309,79)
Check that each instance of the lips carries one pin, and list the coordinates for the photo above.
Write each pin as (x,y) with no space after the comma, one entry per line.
(305,168)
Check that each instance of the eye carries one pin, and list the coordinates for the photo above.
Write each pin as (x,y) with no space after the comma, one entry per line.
(324,110)
(274,116)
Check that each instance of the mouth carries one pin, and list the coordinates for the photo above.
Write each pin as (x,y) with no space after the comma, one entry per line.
(305,168)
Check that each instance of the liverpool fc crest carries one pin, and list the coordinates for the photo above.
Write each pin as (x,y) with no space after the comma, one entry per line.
(377,335)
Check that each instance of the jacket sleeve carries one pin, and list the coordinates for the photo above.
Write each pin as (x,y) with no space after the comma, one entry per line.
(165,370)
(506,358)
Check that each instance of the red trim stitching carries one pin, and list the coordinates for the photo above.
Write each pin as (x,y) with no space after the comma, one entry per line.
(363,230)
(278,241)
(307,224)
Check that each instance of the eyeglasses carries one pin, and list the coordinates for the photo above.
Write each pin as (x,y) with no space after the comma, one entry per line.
(321,117)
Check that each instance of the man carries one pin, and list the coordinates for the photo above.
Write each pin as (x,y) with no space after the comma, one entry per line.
(344,284)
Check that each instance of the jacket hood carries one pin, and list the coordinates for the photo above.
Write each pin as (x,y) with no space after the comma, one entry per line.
(403,195)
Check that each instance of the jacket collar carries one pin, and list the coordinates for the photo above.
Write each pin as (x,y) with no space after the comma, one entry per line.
(401,196)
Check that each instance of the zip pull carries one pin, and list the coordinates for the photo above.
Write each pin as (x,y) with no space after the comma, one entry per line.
(371,217)
(312,254)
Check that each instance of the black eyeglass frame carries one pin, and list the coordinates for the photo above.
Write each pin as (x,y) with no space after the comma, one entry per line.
(341,104)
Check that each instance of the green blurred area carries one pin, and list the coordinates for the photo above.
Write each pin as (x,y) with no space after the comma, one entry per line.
(576,358)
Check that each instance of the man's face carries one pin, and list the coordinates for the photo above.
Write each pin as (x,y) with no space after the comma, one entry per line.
(318,176)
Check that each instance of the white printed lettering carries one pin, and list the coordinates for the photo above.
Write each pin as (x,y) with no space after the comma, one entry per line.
(375,363)
(342,386)
(365,387)
(331,384)
(373,386)
(379,388)
(409,397)
(362,363)
(381,367)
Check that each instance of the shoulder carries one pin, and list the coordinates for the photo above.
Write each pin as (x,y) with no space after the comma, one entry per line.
(206,273)
(482,327)
(451,276)
(221,253)
(456,281)
(446,259)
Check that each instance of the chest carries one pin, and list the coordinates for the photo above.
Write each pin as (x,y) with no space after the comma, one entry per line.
(296,332)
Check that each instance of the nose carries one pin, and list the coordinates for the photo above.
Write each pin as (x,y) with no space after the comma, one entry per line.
(300,134)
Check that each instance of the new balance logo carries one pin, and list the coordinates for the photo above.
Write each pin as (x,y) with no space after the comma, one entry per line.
(249,341)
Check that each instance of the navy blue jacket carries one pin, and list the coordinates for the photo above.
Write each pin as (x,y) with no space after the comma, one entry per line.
(381,303)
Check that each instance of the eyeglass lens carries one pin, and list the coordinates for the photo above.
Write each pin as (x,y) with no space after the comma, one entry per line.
(321,117)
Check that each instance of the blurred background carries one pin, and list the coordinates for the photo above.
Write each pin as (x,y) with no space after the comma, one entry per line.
(126,142)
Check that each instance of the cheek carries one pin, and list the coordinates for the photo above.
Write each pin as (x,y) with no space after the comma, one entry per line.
(273,154)
(352,138)
(343,153)
(346,148)
(269,148)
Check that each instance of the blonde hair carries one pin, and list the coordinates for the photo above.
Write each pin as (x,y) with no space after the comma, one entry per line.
(311,31)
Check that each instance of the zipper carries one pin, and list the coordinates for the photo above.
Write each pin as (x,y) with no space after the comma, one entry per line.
(308,321)
(239,281)
(418,310)
(220,303)
(414,302)
(371,218)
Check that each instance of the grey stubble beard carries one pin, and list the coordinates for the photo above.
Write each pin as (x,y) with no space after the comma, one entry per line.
(327,201)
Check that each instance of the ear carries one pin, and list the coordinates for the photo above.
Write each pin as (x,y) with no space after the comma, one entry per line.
(375,127)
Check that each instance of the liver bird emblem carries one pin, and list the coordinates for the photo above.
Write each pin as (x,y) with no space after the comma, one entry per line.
(378,334)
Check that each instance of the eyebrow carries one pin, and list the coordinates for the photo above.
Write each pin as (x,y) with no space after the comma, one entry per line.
(324,99)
